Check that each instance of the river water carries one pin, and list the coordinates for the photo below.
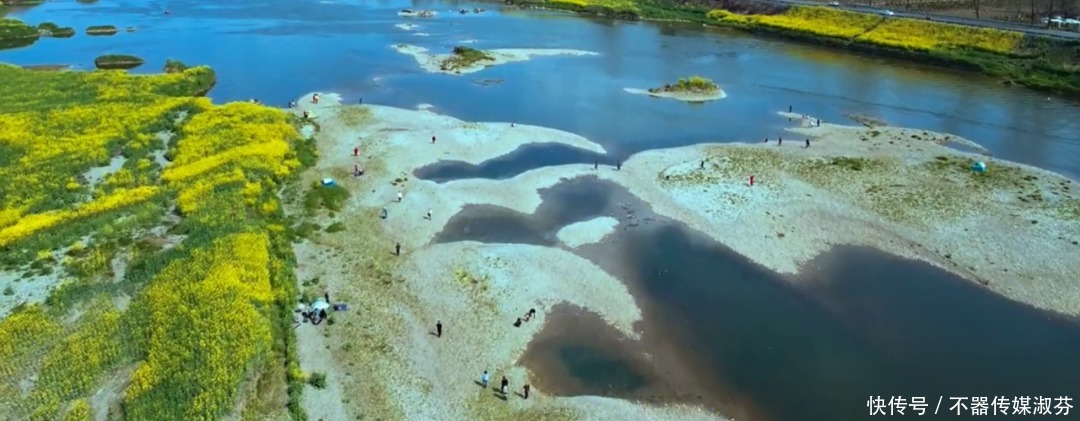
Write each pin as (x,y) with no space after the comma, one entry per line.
(721,331)
(277,50)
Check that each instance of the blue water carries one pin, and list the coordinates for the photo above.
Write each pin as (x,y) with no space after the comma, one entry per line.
(278,50)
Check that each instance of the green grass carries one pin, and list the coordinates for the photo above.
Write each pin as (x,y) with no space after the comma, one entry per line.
(317,380)
(463,57)
(331,198)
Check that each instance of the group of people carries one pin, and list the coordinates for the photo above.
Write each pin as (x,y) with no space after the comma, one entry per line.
(528,316)
(504,386)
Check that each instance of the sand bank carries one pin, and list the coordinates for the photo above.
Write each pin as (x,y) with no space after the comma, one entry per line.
(406,26)
(382,351)
(681,96)
(587,232)
(434,63)
(897,189)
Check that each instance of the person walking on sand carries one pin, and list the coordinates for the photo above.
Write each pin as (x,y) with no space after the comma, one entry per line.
(429,214)
(397,249)
(326,295)
(596,165)
(438,329)
(808,142)
(384,213)
(355,151)
(766,139)
(399,195)
(484,379)
(432,138)
(526,394)
(618,166)
(702,166)
(779,141)
(505,386)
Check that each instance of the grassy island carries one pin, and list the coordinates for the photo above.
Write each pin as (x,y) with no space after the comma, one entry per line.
(143,242)
(102,30)
(464,57)
(118,61)
(49,29)
(22,2)
(1040,63)
(690,85)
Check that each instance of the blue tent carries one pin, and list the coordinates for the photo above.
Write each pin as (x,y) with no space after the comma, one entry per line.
(979,167)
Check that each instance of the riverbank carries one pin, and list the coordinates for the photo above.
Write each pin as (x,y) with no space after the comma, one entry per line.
(472,61)
(384,350)
(1040,63)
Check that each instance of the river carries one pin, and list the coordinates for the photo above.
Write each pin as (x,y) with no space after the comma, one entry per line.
(277,50)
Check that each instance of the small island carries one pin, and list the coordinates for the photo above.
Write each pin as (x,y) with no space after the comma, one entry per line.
(463,60)
(15,33)
(691,89)
(118,61)
(102,30)
(49,29)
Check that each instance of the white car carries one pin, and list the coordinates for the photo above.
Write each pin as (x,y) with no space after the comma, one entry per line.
(888,13)
(834,3)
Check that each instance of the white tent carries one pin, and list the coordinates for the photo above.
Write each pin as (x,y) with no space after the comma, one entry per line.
(320,304)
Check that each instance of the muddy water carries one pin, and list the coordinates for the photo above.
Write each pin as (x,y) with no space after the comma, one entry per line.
(726,333)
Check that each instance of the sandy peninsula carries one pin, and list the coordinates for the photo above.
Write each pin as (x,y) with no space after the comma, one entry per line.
(681,96)
(438,63)
(379,357)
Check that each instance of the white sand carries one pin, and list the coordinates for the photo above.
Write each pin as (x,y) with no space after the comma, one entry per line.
(433,62)
(587,232)
(476,289)
(789,216)
(406,26)
(681,96)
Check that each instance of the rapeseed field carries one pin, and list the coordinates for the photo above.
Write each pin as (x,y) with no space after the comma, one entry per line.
(105,170)
(867,28)
(928,36)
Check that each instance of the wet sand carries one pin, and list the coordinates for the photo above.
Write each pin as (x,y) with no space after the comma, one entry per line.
(681,96)
(433,63)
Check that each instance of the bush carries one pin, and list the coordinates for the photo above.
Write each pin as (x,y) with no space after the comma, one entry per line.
(317,380)
(329,197)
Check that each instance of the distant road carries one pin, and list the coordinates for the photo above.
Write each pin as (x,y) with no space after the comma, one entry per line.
(946,19)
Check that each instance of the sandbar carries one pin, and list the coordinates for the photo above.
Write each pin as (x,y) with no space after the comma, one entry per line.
(587,232)
(477,290)
(681,96)
(433,62)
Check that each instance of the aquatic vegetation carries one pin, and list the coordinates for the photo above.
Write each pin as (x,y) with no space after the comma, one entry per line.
(79,179)
(927,36)
(118,61)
